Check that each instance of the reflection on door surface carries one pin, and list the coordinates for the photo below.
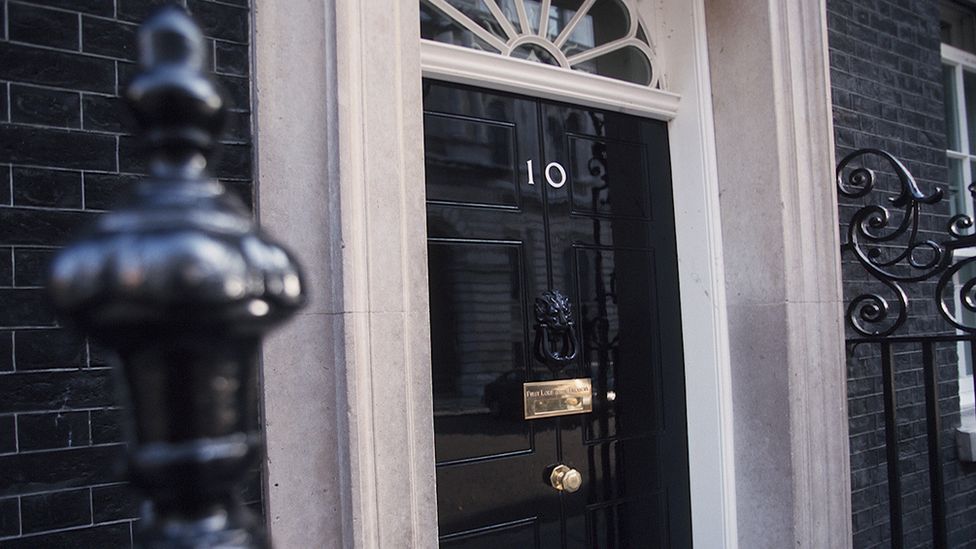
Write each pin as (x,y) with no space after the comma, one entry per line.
(524,197)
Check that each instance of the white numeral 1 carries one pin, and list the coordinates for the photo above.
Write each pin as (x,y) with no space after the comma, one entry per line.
(531,180)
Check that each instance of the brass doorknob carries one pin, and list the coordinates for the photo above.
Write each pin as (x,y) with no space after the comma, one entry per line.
(565,479)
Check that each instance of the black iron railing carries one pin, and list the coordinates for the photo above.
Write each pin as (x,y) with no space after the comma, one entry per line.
(886,349)
(918,299)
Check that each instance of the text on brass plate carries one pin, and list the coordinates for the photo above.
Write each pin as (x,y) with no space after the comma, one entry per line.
(562,397)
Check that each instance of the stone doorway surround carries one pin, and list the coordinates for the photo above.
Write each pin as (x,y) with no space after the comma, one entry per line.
(340,178)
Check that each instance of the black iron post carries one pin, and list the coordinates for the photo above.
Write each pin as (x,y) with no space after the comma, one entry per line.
(182,286)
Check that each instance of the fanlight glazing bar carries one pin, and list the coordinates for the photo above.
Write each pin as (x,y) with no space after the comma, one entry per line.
(466,21)
(544,18)
(571,26)
(603,49)
(492,26)
(499,15)
(523,17)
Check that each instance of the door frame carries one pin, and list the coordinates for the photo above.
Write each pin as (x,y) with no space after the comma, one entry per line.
(340,178)
(684,60)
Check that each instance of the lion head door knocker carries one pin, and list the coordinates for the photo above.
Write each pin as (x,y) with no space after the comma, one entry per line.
(555,333)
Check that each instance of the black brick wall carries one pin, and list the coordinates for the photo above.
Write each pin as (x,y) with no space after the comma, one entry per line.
(66,153)
(887,93)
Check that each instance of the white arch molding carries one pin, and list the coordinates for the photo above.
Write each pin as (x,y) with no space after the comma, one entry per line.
(635,36)
(500,71)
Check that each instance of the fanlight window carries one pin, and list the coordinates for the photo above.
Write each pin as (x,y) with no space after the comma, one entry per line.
(603,37)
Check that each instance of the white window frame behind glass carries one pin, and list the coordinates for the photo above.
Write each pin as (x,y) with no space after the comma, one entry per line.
(962,61)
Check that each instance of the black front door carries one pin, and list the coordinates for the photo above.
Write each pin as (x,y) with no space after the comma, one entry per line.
(524,197)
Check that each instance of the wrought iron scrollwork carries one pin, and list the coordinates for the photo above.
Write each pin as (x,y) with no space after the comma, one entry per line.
(555,330)
(887,242)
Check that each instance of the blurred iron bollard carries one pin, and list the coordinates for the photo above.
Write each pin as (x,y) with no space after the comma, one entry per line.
(182,286)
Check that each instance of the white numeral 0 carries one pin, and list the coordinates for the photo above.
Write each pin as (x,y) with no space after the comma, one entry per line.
(562,175)
(548,174)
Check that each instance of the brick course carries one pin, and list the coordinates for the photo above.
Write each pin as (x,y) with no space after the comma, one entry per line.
(66,154)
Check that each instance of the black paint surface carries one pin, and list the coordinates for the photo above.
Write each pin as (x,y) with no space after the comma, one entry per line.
(606,239)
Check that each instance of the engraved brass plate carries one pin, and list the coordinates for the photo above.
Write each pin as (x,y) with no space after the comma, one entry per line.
(562,397)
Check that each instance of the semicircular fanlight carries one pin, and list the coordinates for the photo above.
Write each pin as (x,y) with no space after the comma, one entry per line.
(602,37)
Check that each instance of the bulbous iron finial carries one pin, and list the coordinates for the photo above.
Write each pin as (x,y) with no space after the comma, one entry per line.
(182,285)
(179,109)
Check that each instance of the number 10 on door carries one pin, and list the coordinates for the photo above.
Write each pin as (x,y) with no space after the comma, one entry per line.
(548,173)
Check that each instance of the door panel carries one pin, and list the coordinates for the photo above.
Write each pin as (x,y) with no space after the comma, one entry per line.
(521,534)
(488,333)
(593,189)
(616,335)
(472,161)
(612,231)
(499,237)
(487,250)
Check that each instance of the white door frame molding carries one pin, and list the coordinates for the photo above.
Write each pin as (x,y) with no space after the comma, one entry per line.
(772,108)
(385,384)
(679,26)
(490,70)
(683,57)
(340,165)
(340,177)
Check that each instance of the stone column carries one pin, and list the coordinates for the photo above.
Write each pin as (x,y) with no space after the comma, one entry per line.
(771,100)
